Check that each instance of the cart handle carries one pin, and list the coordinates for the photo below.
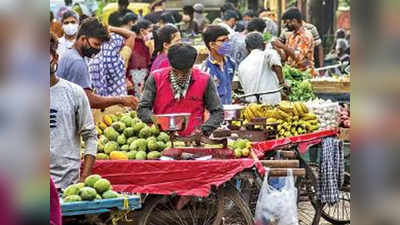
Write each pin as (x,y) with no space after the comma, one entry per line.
(257,94)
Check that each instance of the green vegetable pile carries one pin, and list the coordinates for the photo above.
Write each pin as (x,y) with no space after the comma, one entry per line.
(300,84)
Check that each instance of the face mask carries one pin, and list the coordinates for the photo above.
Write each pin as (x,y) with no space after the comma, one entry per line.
(89,51)
(225,48)
(70,29)
(148,36)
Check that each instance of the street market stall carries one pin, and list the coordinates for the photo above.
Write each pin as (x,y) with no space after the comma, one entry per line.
(196,173)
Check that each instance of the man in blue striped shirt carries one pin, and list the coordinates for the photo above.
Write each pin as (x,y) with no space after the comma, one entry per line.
(219,65)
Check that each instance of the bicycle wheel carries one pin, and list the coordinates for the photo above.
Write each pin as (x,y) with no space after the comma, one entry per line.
(161,210)
(339,213)
(308,206)
(223,205)
(235,209)
(250,186)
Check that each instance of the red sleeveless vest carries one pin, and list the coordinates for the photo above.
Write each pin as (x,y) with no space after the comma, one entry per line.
(193,102)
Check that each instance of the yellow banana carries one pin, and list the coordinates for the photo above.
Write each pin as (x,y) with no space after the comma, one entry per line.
(304,107)
(308,116)
(295,111)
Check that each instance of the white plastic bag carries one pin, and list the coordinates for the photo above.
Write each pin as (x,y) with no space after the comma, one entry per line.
(277,207)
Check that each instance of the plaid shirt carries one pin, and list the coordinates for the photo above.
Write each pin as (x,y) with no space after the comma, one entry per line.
(331,174)
(107,69)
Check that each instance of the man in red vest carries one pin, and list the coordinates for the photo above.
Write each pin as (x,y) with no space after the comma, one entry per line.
(182,89)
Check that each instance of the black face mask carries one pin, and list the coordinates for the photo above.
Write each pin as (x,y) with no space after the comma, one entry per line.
(89,51)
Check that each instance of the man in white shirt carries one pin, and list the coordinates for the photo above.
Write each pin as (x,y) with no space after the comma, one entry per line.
(70,24)
(261,70)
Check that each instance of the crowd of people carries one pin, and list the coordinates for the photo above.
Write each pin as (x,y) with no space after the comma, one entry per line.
(140,61)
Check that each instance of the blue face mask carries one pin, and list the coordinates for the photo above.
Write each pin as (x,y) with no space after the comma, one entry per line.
(225,48)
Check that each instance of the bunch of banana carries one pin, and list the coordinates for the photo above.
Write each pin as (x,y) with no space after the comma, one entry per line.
(297,127)
(293,119)
(256,111)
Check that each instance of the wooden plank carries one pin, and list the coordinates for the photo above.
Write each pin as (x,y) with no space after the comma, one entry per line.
(331,87)
(287,154)
(85,212)
(84,206)
(282,172)
(281,163)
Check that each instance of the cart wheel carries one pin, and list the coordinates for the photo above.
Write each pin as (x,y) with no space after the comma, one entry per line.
(339,213)
(249,190)
(235,210)
(161,210)
(223,205)
(308,206)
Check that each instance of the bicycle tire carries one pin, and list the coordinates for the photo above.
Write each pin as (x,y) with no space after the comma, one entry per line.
(345,197)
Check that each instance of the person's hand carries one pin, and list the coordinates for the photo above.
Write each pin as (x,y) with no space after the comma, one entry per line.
(130,101)
(129,84)
(277,44)
(286,88)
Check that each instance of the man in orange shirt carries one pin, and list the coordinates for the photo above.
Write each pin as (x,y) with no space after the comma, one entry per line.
(299,47)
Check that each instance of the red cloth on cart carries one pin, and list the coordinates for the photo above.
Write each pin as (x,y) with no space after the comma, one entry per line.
(303,140)
(184,177)
(303,146)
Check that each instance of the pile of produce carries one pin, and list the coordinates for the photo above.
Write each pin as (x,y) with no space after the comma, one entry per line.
(292,118)
(344,114)
(240,147)
(300,84)
(327,112)
(94,188)
(124,136)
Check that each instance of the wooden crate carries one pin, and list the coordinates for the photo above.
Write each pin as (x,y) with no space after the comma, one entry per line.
(330,87)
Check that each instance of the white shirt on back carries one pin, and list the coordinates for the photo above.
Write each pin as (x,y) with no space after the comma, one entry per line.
(256,75)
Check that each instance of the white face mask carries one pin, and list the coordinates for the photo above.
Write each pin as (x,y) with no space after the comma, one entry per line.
(70,29)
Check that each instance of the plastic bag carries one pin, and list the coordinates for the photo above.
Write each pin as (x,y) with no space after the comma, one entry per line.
(277,207)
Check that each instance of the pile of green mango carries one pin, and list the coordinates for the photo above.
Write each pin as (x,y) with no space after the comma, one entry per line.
(132,139)
(94,188)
